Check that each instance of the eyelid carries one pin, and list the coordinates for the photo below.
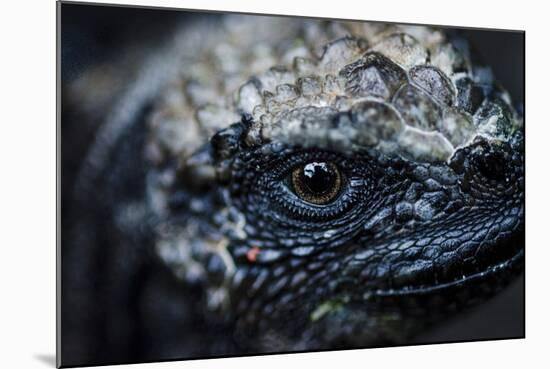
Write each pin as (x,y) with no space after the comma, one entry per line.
(272,187)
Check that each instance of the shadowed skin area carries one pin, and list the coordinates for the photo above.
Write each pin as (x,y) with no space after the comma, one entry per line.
(314,185)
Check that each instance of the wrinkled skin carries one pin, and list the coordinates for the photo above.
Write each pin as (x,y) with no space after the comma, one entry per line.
(428,220)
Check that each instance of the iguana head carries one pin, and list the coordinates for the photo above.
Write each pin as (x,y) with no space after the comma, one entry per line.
(342,195)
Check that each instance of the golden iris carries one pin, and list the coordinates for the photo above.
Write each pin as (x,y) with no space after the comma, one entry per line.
(317,182)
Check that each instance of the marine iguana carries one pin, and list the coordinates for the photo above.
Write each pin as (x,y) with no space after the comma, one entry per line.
(308,184)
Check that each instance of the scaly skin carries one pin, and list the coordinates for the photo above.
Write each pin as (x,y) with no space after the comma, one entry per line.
(429,219)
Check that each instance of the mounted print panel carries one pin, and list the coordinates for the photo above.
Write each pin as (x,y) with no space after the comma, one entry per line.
(237,184)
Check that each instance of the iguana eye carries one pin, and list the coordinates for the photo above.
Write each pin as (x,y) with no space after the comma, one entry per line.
(300,187)
(318,183)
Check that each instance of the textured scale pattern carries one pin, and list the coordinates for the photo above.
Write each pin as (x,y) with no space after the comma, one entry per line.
(430,219)
(428,97)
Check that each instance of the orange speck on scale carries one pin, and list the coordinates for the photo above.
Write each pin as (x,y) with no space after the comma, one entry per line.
(252,254)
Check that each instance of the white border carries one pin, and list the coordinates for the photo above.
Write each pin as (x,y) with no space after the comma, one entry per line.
(27,192)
